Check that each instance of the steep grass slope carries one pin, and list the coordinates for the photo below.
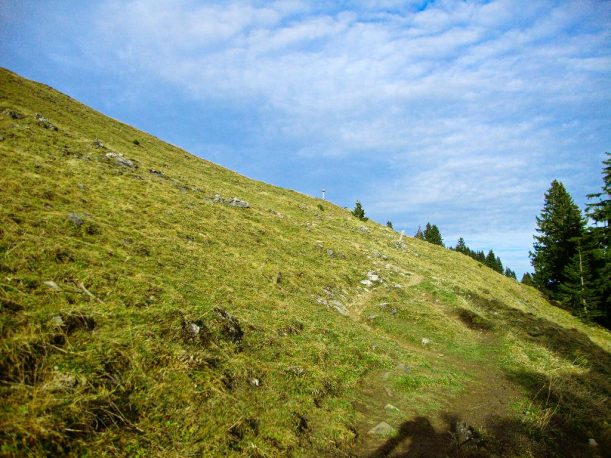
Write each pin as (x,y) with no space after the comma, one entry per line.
(146,312)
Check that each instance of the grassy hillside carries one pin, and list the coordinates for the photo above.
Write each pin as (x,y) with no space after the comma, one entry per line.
(146,312)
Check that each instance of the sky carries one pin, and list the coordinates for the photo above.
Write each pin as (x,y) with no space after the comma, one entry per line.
(458,113)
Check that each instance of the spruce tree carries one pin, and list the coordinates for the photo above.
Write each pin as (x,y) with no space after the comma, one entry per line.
(598,239)
(577,291)
(560,226)
(419,234)
(527,279)
(359,212)
(432,234)
(389,224)
(461,246)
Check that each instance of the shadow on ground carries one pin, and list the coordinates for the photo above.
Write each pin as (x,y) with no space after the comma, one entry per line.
(566,410)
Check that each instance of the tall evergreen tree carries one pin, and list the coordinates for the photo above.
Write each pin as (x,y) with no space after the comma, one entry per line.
(389,224)
(527,279)
(577,291)
(560,226)
(461,246)
(598,238)
(359,212)
(432,234)
(419,234)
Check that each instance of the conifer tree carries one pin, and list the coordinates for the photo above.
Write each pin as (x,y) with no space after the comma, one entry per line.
(432,234)
(527,279)
(419,234)
(560,226)
(359,212)
(577,291)
(389,224)
(598,239)
(461,246)
(510,273)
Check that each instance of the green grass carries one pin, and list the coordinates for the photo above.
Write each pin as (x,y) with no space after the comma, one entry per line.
(105,365)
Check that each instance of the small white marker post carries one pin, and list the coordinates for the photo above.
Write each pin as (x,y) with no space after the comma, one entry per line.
(323,194)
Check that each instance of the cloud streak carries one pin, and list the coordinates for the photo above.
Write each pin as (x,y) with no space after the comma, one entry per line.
(465,111)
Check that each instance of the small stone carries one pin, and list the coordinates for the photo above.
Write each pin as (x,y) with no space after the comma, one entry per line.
(382,429)
(254,382)
(44,122)
(390,409)
(98,143)
(54,286)
(12,114)
(592,442)
(56,321)
(235,202)
(75,219)
(373,276)
(425,341)
(193,329)
(363,229)
(367,283)
(121,160)
(393,311)
(330,252)
(383,305)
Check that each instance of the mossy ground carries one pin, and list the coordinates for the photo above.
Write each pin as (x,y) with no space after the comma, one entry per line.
(103,361)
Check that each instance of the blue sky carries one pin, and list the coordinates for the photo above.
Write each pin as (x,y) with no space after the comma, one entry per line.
(460,113)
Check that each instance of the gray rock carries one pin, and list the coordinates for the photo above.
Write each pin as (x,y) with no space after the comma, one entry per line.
(372,276)
(363,229)
(331,253)
(367,283)
(390,409)
(75,219)
(382,429)
(121,160)
(235,202)
(52,285)
(12,114)
(592,442)
(463,432)
(254,382)
(425,341)
(56,321)
(44,122)
(98,143)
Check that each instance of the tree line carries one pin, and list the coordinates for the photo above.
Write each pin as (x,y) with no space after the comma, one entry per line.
(570,254)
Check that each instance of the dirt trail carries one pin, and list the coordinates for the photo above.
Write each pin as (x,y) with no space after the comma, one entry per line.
(481,405)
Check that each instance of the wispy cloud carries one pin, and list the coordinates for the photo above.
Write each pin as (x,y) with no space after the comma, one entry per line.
(466,110)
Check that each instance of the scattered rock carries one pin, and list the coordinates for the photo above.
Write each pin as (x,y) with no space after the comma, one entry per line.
(52,285)
(44,122)
(393,311)
(296,370)
(463,432)
(390,409)
(334,304)
(425,341)
(233,202)
(231,327)
(372,278)
(56,321)
(76,219)
(363,229)
(254,382)
(381,429)
(592,442)
(98,143)
(121,160)
(13,114)
(331,253)
(377,254)
(383,305)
